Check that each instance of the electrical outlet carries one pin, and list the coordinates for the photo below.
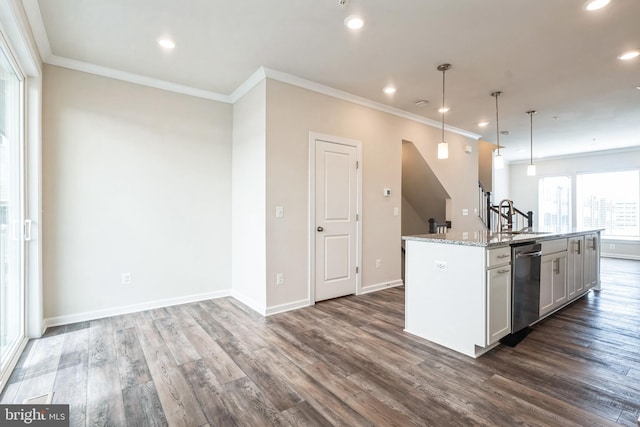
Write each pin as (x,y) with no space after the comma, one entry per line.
(440,265)
(396,211)
(378,263)
(612,246)
(126,279)
(279,278)
(279,211)
(465,211)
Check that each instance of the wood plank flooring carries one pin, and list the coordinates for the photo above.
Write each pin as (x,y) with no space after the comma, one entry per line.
(341,362)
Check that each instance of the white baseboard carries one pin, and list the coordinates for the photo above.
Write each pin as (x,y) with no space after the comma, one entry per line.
(380,286)
(116,311)
(253,304)
(620,256)
(288,307)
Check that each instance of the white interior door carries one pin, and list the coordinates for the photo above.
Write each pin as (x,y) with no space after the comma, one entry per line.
(336,206)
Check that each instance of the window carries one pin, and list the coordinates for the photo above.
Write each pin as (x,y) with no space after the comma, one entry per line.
(554,202)
(609,200)
(11,210)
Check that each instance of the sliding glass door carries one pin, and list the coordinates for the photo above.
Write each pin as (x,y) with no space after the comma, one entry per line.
(11,210)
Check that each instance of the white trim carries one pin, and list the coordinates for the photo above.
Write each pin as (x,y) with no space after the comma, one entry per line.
(12,363)
(16,28)
(39,31)
(380,286)
(98,70)
(250,302)
(574,155)
(313,137)
(346,96)
(254,79)
(620,256)
(133,308)
(281,308)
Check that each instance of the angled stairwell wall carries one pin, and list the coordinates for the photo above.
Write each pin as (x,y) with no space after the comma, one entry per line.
(423,195)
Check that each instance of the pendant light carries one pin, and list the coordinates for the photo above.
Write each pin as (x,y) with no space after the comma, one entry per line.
(498,161)
(443,147)
(531,169)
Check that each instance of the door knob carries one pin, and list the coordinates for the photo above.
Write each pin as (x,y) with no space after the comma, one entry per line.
(320,229)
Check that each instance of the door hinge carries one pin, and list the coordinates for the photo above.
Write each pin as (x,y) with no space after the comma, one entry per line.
(357,217)
(357,269)
(357,165)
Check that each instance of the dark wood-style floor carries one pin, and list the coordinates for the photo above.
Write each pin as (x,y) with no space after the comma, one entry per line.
(341,362)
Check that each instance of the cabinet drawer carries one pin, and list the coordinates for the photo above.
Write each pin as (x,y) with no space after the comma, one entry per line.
(498,256)
(551,246)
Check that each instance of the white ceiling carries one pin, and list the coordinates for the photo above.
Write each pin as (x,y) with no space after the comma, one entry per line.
(547,55)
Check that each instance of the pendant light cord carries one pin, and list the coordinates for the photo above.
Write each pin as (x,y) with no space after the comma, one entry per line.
(443,107)
(531,113)
(497,94)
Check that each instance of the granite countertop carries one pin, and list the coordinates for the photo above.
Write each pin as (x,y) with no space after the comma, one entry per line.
(489,239)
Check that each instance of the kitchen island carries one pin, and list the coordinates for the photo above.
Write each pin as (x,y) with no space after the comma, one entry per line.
(459,285)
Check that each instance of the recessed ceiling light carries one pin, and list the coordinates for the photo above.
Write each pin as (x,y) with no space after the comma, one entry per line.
(354,22)
(167,43)
(483,124)
(443,110)
(630,54)
(596,4)
(389,90)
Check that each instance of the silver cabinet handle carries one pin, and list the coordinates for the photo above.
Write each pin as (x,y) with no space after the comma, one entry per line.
(503,256)
(503,270)
(528,254)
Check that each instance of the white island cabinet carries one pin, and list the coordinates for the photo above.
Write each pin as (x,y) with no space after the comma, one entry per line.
(447,296)
(458,289)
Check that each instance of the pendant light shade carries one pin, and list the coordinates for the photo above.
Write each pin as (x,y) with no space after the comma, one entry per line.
(531,169)
(498,161)
(443,147)
(443,150)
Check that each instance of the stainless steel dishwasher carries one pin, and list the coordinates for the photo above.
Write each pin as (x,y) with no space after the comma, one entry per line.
(525,299)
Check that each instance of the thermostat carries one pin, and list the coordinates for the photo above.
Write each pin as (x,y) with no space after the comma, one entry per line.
(386,192)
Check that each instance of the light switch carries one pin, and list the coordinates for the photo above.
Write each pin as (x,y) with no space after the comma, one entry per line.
(386,192)
(465,211)
(279,211)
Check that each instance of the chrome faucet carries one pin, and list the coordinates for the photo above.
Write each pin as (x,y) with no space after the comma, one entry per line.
(510,213)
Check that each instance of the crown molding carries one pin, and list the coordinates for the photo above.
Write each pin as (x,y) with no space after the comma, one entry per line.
(254,79)
(346,96)
(99,70)
(14,23)
(620,150)
(39,32)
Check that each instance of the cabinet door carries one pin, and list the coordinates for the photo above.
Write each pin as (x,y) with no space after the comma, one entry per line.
(575,268)
(591,260)
(498,303)
(559,286)
(546,284)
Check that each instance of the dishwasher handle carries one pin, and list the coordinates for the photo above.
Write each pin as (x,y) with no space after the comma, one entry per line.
(528,254)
